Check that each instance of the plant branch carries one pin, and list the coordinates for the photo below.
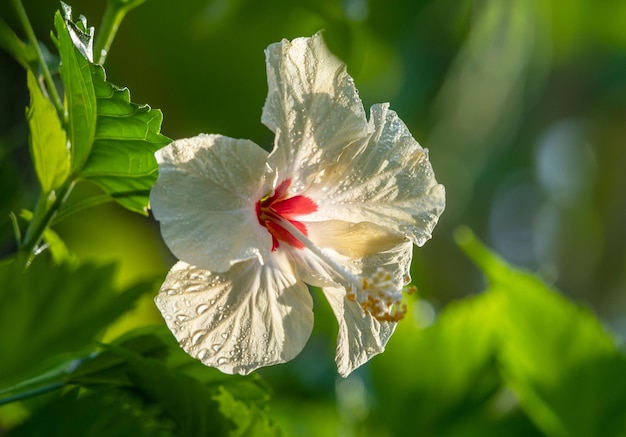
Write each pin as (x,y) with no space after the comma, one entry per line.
(115,12)
(30,34)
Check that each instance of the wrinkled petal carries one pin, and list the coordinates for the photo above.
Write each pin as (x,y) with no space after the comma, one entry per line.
(361,336)
(312,106)
(205,199)
(388,181)
(249,317)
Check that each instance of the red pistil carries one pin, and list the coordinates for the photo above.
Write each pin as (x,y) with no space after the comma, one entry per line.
(271,209)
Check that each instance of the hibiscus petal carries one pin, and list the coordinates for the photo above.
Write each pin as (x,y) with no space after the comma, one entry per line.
(312,106)
(205,200)
(250,317)
(353,240)
(361,335)
(388,181)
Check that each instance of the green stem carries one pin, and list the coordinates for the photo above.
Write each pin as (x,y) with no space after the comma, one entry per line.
(43,215)
(115,12)
(30,34)
(32,393)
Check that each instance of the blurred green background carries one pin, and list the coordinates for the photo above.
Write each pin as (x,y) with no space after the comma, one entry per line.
(522,104)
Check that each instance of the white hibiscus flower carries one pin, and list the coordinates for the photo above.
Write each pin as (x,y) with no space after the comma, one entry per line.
(337,204)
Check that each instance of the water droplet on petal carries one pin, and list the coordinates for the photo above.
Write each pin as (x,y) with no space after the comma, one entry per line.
(216,347)
(202,308)
(222,360)
(198,335)
(202,353)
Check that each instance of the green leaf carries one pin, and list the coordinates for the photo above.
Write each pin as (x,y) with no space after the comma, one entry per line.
(443,377)
(122,159)
(80,98)
(113,140)
(561,363)
(48,143)
(181,399)
(23,53)
(249,420)
(50,311)
(103,413)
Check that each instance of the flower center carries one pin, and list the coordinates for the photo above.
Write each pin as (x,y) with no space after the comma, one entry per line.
(272,209)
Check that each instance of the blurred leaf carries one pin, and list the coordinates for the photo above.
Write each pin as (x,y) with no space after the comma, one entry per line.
(122,160)
(54,310)
(136,373)
(249,420)
(103,413)
(23,53)
(443,377)
(564,367)
(48,143)
(80,96)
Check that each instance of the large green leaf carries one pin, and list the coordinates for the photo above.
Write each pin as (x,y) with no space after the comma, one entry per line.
(48,143)
(122,159)
(562,364)
(80,97)
(443,379)
(50,310)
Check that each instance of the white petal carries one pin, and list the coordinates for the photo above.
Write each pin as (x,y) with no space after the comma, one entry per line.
(361,336)
(205,200)
(388,181)
(250,317)
(312,105)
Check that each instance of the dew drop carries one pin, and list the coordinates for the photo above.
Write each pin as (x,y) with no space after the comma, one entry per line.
(216,347)
(181,318)
(222,360)
(198,336)
(202,354)
(202,308)
(224,335)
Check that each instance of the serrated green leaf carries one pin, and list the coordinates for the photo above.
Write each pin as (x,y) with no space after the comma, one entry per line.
(122,159)
(80,98)
(562,364)
(181,399)
(48,143)
(55,310)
